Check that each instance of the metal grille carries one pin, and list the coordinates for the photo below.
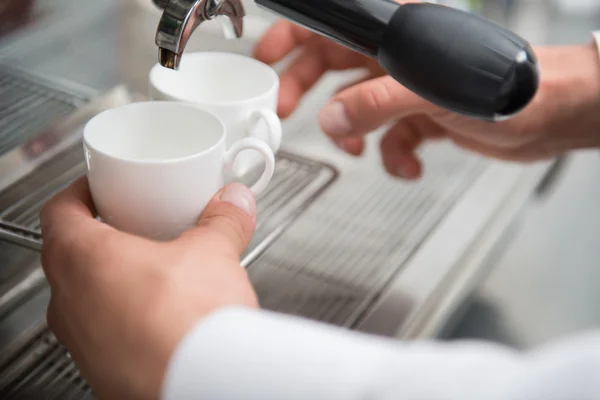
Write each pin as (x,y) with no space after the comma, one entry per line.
(296,183)
(41,369)
(334,261)
(62,55)
(27,105)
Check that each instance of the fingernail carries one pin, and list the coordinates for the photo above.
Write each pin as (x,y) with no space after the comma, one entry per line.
(241,197)
(405,171)
(334,120)
(341,144)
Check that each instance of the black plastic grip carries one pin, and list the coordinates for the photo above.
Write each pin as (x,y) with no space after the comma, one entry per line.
(459,61)
(356,24)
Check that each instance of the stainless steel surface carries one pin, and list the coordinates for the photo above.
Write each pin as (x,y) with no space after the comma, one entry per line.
(18,277)
(76,43)
(30,280)
(341,255)
(30,103)
(43,148)
(180,19)
(31,173)
(545,286)
(40,368)
(20,236)
(296,183)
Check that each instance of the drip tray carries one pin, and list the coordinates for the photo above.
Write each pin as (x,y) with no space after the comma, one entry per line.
(35,366)
(41,369)
(335,261)
(297,183)
(29,103)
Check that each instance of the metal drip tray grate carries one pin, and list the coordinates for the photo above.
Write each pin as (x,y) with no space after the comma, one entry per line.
(334,261)
(41,369)
(296,183)
(28,104)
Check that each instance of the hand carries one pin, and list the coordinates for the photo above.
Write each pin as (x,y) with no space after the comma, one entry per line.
(318,55)
(121,303)
(565,114)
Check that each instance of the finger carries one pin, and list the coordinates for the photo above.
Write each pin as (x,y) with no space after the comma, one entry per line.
(398,156)
(367,77)
(400,143)
(319,56)
(228,221)
(70,231)
(302,74)
(279,41)
(300,77)
(353,145)
(72,204)
(365,107)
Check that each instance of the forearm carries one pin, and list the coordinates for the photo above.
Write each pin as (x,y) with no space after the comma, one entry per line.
(242,354)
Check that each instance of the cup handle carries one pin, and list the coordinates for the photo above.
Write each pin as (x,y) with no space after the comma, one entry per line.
(273,123)
(256,145)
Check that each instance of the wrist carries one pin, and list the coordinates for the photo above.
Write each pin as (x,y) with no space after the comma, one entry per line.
(569,96)
(574,72)
(586,75)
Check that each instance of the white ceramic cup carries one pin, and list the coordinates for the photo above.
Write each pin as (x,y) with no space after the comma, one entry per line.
(154,166)
(240,90)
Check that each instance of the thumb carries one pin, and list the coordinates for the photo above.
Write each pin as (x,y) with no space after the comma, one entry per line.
(229,219)
(367,106)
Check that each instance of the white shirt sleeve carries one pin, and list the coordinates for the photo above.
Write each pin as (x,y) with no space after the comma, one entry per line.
(257,355)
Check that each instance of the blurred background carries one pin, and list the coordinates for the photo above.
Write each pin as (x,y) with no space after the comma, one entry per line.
(546,285)
(537,273)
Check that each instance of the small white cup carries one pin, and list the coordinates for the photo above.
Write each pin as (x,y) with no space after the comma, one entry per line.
(154,166)
(240,90)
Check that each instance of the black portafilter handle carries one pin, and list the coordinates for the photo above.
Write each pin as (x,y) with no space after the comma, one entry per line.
(454,59)
(459,61)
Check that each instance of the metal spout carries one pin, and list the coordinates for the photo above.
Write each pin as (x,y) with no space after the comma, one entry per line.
(181,18)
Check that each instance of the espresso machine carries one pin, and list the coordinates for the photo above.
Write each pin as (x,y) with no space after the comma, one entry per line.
(338,240)
(454,59)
